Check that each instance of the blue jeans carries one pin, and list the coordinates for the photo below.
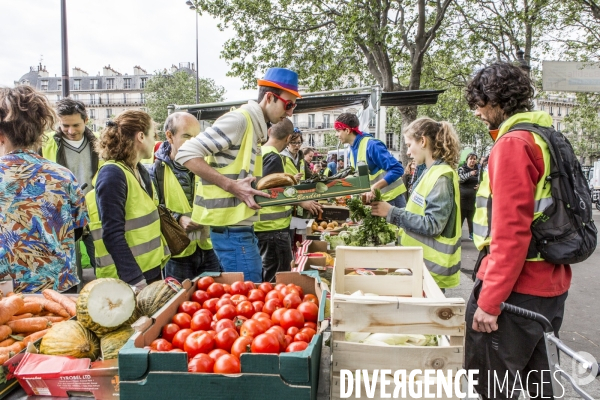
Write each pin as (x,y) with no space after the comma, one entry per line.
(399,201)
(191,266)
(237,250)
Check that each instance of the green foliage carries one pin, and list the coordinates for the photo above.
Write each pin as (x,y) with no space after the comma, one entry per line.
(583,122)
(178,88)
(374,231)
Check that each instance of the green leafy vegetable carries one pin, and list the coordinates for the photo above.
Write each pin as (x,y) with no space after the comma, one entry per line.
(374,231)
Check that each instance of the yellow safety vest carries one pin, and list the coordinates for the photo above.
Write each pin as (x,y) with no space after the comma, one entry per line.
(290,168)
(441,254)
(214,206)
(542,195)
(50,147)
(142,229)
(274,217)
(176,200)
(391,191)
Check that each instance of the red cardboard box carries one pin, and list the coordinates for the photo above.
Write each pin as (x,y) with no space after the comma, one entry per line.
(61,376)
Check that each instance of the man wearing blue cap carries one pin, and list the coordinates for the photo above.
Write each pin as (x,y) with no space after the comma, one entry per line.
(226,159)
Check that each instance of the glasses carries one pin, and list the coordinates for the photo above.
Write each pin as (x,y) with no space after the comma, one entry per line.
(295,143)
(287,104)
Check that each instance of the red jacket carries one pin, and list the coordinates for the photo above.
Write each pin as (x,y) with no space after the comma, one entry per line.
(515,167)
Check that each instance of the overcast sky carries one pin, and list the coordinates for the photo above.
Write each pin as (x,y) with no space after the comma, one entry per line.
(123,33)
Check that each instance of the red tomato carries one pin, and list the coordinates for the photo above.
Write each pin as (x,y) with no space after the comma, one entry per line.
(238,322)
(212,333)
(301,337)
(180,336)
(182,320)
(266,322)
(287,290)
(256,295)
(222,302)
(201,363)
(201,322)
(227,311)
(258,305)
(210,305)
(292,318)
(227,364)
(213,324)
(310,332)
(249,285)
(280,336)
(288,340)
(189,307)
(252,328)
(161,345)
(292,300)
(238,298)
(226,295)
(298,288)
(311,325)
(279,286)
(224,324)
(169,331)
(215,290)
(216,353)
(204,311)
(271,305)
(296,346)
(245,308)
(260,315)
(292,330)
(205,282)
(198,342)
(266,287)
(176,350)
(273,294)
(311,298)
(200,296)
(310,311)
(241,345)
(224,339)
(227,289)
(238,288)
(265,343)
(276,316)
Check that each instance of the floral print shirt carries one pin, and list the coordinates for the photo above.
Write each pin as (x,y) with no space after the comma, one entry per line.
(41,205)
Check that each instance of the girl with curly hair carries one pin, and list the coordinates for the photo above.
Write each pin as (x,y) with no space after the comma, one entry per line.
(431,218)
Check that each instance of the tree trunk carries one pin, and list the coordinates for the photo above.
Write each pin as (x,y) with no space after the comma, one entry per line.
(409,114)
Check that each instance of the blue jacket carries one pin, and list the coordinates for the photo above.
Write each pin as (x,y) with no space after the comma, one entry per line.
(332,167)
(378,158)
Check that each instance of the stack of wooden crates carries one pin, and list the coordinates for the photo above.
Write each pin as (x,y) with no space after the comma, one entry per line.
(411,304)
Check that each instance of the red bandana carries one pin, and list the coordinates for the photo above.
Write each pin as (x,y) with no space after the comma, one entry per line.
(338,126)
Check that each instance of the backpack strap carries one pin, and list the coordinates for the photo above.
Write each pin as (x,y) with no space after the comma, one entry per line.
(159,173)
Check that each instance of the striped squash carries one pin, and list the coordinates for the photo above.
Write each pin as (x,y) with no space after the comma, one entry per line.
(70,338)
(151,298)
(112,342)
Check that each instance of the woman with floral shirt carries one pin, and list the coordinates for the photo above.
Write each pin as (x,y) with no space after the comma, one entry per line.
(42,208)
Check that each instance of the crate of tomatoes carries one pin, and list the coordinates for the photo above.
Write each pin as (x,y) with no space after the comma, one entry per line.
(226,338)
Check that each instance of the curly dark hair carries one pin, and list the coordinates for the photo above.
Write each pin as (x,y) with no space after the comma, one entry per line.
(501,84)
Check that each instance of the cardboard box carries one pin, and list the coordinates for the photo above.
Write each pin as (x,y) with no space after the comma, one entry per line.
(289,376)
(320,190)
(60,376)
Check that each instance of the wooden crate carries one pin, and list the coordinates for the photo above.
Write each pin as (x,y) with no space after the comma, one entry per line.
(400,304)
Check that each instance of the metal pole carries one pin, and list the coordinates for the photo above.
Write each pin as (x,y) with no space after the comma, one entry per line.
(65,49)
(197,66)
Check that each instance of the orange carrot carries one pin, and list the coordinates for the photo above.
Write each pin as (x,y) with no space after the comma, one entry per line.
(5,332)
(4,358)
(12,349)
(61,299)
(21,316)
(31,308)
(55,319)
(34,336)
(48,305)
(7,342)
(9,307)
(29,325)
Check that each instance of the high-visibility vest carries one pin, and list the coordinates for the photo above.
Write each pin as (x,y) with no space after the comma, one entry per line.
(391,191)
(274,217)
(290,168)
(441,254)
(483,203)
(176,201)
(326,171)
(50,147)
(142,229)
(214,206)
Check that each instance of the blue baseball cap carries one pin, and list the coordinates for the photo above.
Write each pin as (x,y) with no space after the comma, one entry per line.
(281,78)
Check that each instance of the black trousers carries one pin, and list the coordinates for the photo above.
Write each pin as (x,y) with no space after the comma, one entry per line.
(276,252)
(515,351)
(468,215)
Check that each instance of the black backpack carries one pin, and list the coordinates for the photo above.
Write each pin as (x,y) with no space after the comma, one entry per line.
(565,232)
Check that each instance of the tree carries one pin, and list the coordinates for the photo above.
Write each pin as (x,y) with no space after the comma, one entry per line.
(178,88)
(583,122)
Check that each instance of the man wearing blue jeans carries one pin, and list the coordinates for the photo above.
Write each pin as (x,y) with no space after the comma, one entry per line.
(227,159)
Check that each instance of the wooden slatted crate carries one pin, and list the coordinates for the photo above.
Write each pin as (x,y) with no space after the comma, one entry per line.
(411,304)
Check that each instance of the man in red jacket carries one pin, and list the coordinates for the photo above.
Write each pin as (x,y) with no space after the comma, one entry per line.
(501,345)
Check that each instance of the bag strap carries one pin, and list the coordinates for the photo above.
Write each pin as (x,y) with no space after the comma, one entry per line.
(159,173)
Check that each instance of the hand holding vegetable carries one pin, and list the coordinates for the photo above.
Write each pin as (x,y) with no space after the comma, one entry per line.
(380,208)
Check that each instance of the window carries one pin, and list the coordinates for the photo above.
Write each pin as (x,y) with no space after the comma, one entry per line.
(542,107)
(389,140)
(551,109)
(94,84)
(77,84)
(110,83)
(566,110)
(142,97)
(559,111)
(92,113)
(59,86)
(127,83)
(58,97)
(92,99)
(143,82)
(44,85)
(124,98)
(326,119)
(311,139)
(311,120)
(93,127)
(75,97)
(295,120)
(558,126)
(108,113)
